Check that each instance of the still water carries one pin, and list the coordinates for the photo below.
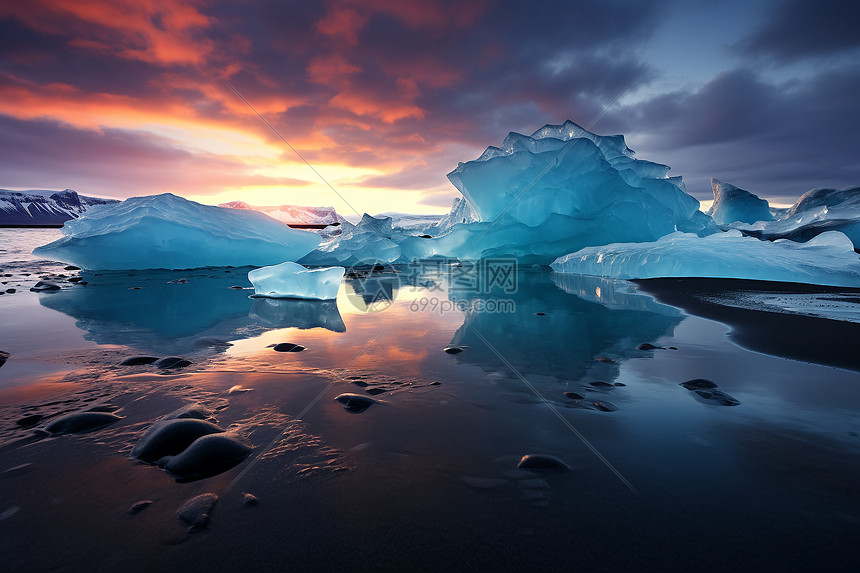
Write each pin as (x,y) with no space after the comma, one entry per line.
(426,478)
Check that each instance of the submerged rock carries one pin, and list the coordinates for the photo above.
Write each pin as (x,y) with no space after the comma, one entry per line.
(288,347)
(453,350)
(604,406)
(573,395)
(541,462)
(698,384)
(173,362)
(355,403)
(81,422)
(600,384)
(138,360)
(208,456)
(197,511)
(649,346)
(171,437)
(44,286)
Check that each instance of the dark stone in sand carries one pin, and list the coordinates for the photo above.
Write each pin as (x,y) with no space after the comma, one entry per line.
(173,362)
(140,506)
(71,268)
(620,384)
(717,397)
(425,236)
(138,360)
(237,287)
(3,357)
(288,347)
(208,456)
(604,406)
(355,403)
(541,462)
(44,286)
(573,395)
(600,384)
(81,422)
(195,411)
(76,279)
(29,421)
(11,291)
(197,511)
(453,350)
(171,437)
(540,313)
(375,391)
(103,408)
(361,383)
(249,499)
(649,346)
(698,384)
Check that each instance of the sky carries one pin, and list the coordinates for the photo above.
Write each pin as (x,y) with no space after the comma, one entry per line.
(366,105)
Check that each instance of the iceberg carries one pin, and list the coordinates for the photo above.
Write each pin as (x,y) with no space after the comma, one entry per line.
(169,232)
(372,240)
(828,259)
(292,280)
(815,212)
(733,204)
(558,190)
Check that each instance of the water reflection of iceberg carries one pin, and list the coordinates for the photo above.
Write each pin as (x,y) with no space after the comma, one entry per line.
(174,312)
(553,337)
(296,313)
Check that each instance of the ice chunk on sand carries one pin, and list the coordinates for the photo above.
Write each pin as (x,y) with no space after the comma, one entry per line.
(828,259)
(169,232)
(292,280)
(734,204)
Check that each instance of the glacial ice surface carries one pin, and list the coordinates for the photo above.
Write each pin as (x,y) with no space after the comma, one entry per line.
(734,204)
(371,240)
(828,259)
(169,232)
(292,280)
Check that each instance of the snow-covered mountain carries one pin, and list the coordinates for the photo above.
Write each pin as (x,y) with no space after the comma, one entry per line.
(293,215)
(44,208)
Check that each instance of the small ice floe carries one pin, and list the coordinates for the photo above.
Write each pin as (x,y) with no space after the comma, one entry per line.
(81,422)
(541,462)
(207,456)
(355,403)
(197,511)
(171,437)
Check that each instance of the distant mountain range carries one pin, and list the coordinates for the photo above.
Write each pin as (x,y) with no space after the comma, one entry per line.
(294,215)
(43,208)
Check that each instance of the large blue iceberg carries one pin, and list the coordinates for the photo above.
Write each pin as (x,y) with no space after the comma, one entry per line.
(169,232)
(828,259)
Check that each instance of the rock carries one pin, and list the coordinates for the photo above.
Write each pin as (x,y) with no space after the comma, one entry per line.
(140,506)
(173,362)
(237,287)
(81,422)
(208,456)
(541,462)
(171,437)
(540,314)
(717,397)
(425,236)
(605,360)
(600,384)
(103,408)
(138,360)
(649,346)
(288,347)
(4,356)
(453,350)
(361,383)
(11,291)
(71,268)
(29,421)
(195,411)
(604,406)
(573,396)
(197,511)
(619,384)
(75,279)
(698,384)
(355,403)
(376,391)
(249,499)
(44,286)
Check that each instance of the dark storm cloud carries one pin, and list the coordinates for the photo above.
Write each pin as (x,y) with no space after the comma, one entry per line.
(778,140)
(795,29)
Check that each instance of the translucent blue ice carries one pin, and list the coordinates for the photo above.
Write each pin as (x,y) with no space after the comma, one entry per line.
(734,204)
(169,232)
(292,280)
(372,240)
(828,259)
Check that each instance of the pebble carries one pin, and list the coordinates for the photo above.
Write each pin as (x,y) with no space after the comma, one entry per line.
(44,286)
(138,360)
(649,346)
(541,462)
(208,456)
(81,422)
(171,437)
(197,511)
(249,499)
(173,362)
(355,403)
(288,347)
(453,350)
(573,395)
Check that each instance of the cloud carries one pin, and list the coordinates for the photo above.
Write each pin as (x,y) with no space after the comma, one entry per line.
(795,29)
